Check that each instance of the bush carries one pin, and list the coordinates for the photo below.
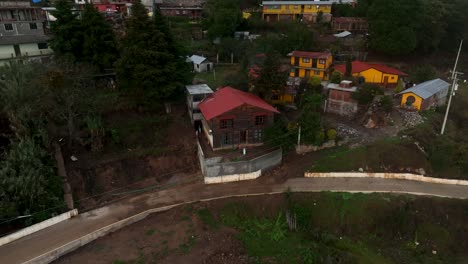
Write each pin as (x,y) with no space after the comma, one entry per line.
(423,73)
(335,77)
(331,134)
(386,102)
(365,95)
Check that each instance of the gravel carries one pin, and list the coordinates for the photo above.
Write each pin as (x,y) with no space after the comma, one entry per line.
(411,119)
(346,131)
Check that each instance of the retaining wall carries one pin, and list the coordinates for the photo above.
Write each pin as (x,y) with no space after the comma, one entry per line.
(216,171)
(397,176)
(36,227)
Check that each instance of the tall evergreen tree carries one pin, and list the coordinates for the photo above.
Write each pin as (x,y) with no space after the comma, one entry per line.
(99,45)
(67,30)
(270,80)
(146,67)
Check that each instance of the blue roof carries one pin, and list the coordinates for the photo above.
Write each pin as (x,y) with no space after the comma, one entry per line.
(428,88)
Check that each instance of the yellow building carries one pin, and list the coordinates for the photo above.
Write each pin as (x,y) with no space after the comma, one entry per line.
(425,95)
(274,11)
(373,73)
(307,64)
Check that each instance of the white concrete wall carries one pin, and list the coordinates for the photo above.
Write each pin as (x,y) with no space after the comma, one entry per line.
(398,176)
(233,178)
(39,226)
(31,49)
(7,51)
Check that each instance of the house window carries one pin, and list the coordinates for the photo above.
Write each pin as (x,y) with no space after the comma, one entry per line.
(32,26)
(196,111)
(226,123)
(296,7)
(317,72)
(184,12)
(42,46)
(305,60)
(260,120)
(309,7)
(177,12)
(275,97)
(8,27)
(393,77)
(258,135)
(322,61)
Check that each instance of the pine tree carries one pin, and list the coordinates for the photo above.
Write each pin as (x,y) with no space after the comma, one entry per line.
(146,67)
(270,79)
(349,68)
(67,33)
(99,45)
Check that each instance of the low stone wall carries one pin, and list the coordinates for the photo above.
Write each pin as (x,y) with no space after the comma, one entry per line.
(232,178)
(216,171)
(302,149)
(36,227)
(397,176)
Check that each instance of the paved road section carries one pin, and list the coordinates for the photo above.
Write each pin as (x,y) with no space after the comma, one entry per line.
(51,238)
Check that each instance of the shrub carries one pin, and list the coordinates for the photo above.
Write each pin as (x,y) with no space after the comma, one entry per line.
(365,95)
(335,77)
(331,134)
(386,102)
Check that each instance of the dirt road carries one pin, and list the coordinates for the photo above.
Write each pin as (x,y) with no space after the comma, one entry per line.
(53,238)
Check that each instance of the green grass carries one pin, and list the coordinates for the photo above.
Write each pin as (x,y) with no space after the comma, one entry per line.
(384,155)
(207,217)
(150,232)
(221,72)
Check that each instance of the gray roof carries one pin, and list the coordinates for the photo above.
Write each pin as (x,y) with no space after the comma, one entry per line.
(197,59)
(297,2)
(23,39)
(198,89)
(342,34)
(428,88)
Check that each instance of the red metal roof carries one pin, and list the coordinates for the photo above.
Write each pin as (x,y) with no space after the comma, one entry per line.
(359,66)
(310,54)
(228,98)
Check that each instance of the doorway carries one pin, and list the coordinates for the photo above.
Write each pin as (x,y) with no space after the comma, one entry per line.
(17,50)
(243,137)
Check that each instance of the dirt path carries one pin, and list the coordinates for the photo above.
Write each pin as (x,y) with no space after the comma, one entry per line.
(56,236)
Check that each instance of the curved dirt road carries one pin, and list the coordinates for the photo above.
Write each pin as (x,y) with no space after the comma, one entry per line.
(52,238)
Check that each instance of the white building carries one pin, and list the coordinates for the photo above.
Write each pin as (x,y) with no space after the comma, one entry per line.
(201,64)
(195,94)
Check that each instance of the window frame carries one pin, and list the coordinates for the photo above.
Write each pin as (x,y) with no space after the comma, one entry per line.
(46,46)
(226,123)
(10,25)
(33,26)
(305,60)
(260,120)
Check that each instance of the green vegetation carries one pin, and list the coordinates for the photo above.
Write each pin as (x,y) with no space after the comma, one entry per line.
(422,73)
(220,77)
(348,228)
(385,155)
(366,93)
(270,78)
(207,217)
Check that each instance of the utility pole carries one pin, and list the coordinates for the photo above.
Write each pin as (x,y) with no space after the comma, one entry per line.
(453,88)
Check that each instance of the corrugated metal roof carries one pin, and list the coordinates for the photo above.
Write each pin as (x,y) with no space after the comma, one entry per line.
(428,88)
(197,59)
(228,98)
(198,89)
(342,34)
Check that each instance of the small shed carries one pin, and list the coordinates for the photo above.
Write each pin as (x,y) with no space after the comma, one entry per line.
(201,64)
(339,99)
(425,95)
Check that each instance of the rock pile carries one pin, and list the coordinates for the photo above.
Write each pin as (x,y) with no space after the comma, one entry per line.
(411,119)
(346,132)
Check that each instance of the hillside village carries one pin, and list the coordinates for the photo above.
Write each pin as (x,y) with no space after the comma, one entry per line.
(103,100)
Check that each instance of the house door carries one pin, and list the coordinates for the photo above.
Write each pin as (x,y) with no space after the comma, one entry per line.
(314,63)
(296,61)
(208,67)
(385,80)
(243,137)
(17,50)
(307,73)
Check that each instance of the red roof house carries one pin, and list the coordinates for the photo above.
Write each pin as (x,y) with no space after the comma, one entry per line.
(373,73)
(233,118)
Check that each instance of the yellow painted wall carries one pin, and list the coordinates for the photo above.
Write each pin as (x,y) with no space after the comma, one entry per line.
(417,103)
(374,76)
(302,74)
(304,64)
(296,9)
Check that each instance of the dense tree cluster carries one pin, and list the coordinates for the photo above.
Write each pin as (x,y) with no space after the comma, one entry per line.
(400,27)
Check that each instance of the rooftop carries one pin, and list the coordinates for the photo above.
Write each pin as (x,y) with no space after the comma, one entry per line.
(197,59)
(310,54)
(228,98)
(198,89)
(428,88)
(359,66)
